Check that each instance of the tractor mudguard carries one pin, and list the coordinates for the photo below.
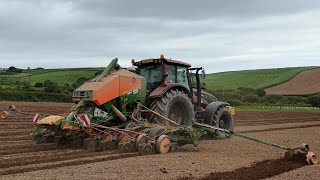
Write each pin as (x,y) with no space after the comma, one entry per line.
(159,91)
(213,106)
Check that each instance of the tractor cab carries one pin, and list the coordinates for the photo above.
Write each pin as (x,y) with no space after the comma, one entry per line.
(163,72)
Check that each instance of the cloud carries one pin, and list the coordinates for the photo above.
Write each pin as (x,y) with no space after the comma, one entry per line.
(218,35)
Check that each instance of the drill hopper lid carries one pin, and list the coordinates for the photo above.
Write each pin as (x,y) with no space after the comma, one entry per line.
(115,84)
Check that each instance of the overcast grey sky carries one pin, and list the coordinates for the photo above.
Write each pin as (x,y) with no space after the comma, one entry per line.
(220,35)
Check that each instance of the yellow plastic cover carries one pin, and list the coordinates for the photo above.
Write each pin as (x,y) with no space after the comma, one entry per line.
(50,120)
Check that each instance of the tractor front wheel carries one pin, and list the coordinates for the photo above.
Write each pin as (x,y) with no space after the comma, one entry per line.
(219,117)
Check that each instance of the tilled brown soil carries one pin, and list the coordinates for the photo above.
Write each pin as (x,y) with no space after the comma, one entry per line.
(234,158)
(307,82)
(258,170)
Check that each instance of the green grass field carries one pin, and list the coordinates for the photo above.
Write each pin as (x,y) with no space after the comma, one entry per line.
(251,78)
(62,76)
(216,81)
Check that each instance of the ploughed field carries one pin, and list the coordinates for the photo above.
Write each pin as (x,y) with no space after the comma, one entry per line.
(306,82)
(234,158)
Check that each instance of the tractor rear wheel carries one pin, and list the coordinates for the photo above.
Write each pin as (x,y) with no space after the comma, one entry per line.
(176,106)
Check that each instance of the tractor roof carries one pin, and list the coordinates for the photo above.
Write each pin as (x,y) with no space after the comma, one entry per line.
(178,62)
(146,62)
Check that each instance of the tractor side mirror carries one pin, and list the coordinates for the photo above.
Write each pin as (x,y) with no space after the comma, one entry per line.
(203,86)
(203,74)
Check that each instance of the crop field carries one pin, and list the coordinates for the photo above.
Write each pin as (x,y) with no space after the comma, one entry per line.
(232,158)
(305,83)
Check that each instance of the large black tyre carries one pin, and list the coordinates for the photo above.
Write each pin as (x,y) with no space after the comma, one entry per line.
(218,117)
(174,105)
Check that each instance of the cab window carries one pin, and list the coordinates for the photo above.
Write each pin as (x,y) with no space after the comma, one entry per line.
(182,76)
(171,70)
(177,74)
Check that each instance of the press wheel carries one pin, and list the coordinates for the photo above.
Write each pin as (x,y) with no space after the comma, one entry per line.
(90,144)
(163,144)
(76,143)
(141,139)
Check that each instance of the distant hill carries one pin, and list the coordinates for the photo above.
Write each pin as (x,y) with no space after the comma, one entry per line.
(261,78)
(305,83)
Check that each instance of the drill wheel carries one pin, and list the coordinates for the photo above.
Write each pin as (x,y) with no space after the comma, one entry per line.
(146,149)
(126,147)
(63,142)
(76,143)
(109,145)
(122,138)
(48,138)
(141,139)
(163,144)
(101,146)
(90,144)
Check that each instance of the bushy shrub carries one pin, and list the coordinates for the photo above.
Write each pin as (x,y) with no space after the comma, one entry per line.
(51,87)
(250,98)
(314,100)
(296,99)
(272,99)
(38,85)
(79,82)
(34,96)
(98,73)
(67,88)
(245,91)
(260,92)
(26,85)
(234,102)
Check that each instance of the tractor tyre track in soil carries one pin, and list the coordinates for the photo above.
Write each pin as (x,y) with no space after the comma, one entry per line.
(47,156)
(63,163)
